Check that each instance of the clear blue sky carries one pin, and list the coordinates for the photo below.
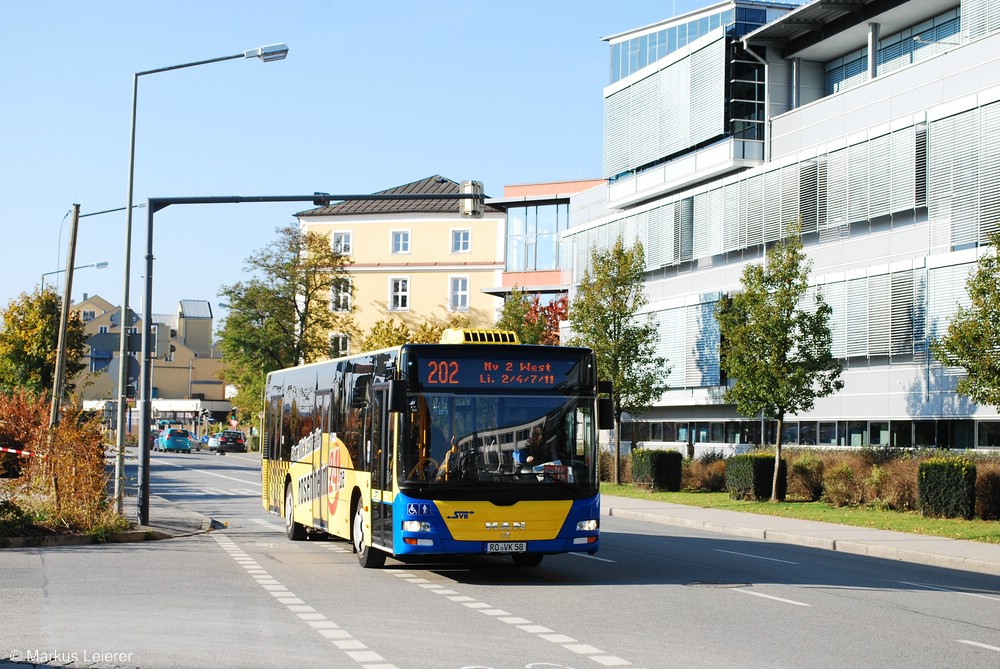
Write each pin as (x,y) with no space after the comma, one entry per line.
(372,95)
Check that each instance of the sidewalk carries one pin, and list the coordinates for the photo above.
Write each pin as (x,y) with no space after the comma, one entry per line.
(166,521)
(933,551)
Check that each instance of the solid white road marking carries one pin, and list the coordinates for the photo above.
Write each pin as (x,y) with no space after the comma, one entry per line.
(202,471)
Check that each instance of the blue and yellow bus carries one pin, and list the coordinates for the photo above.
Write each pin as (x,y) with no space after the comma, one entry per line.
(477,445)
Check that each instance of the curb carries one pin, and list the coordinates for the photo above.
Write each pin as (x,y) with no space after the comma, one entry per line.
(139,534)
(851,546)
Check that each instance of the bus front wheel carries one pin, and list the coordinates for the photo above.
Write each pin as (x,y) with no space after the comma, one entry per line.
(527,559)
(295,531)
(368,557)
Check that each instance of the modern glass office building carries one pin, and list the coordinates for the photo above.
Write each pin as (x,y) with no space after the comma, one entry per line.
(876,125)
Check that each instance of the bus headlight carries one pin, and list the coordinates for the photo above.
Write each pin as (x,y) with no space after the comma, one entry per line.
(416,526)
(587,526)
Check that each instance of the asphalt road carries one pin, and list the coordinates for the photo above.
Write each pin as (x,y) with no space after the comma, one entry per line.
(655,596)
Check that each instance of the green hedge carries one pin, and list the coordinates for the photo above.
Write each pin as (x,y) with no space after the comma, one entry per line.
(947,487)
(661,469)
(751,475)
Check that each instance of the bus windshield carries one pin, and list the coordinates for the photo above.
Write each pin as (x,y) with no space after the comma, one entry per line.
(454,441)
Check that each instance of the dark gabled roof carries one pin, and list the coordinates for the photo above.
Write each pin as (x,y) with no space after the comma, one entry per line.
(431,185)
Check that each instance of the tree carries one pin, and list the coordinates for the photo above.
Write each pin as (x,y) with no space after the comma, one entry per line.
(29,341)
(390,332)
(603,316)
(533,322)
(515,315)
(973,338)
(282,316)
(776,349)
(385,333)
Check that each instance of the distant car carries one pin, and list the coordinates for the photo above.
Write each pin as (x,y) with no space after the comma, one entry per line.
(174,439)
(228,440)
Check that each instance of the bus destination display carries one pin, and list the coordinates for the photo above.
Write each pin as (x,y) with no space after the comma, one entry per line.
(481,372)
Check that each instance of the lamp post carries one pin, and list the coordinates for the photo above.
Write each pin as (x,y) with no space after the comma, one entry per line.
(97,265)
(264,53)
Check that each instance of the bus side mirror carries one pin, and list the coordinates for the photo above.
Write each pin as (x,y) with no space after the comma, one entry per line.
(397,395)
(605,413)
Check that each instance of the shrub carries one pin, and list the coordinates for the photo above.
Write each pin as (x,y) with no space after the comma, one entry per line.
(947,487)
(750,476)
(806,478)
(607,467)
(708,476)
(899,490)
(661,469)
(840,487)
(13,520)
(988,493)
(879,455)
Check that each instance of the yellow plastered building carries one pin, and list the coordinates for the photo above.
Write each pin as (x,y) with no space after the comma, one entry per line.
(415,260)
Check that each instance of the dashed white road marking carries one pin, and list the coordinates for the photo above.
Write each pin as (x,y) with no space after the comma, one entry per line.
(957,592)
(771,597)
(978,645)
(339,637)
(542,632)
(590,557)
(756,557)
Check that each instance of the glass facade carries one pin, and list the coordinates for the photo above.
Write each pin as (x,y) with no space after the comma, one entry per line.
(632,55)
(533,236)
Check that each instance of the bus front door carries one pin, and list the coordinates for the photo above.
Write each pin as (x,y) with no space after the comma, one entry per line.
(381,461)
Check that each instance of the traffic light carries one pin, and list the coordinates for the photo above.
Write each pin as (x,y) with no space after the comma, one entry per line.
(472,207)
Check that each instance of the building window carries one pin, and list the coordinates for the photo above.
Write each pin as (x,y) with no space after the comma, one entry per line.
(461,241)
(458,294)
(341,242)
(340,294)
(89,315)
(400,241)
(102,329)
(340,344)
(399,294)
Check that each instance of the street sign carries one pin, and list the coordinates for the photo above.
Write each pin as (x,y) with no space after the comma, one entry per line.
(133,374)
(132,319)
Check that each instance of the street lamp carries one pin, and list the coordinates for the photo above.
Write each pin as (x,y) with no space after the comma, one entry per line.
(266,54)
(98,265)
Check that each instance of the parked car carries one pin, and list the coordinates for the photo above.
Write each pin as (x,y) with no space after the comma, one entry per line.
(174,439)
(228,441)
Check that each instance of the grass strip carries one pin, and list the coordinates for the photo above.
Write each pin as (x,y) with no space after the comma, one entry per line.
(987,531)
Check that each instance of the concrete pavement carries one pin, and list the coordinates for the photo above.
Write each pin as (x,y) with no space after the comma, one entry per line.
(933,551)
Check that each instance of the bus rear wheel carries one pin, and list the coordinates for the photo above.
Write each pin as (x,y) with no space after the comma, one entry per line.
(295,531)
(368,557)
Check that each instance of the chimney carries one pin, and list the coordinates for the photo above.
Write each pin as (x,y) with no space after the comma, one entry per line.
(84,297)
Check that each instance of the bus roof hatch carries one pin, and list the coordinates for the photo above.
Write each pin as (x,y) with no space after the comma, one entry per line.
(468,336)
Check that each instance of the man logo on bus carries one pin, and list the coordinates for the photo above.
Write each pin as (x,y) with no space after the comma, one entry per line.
(335,478)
